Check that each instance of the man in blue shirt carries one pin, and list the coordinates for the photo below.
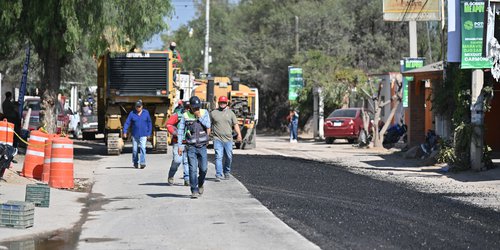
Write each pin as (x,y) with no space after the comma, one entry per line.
(141,124)
(194,128)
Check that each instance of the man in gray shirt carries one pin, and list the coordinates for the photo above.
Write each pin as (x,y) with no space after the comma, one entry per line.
(223,122)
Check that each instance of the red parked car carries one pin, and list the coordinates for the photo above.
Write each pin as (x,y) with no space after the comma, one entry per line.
(343,124)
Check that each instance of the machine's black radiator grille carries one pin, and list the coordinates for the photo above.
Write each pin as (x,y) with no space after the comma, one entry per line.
(138,75)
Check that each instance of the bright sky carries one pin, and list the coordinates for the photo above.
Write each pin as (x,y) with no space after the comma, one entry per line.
(185,11)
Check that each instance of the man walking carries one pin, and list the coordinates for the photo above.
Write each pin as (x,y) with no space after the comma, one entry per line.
(141,124)
(177,159)
(223,121)
(194,126)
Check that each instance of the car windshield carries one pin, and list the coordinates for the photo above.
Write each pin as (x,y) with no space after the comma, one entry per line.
(33,105)
(343,113)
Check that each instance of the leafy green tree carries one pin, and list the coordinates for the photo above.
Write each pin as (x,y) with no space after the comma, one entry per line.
(58,28)
(255,40)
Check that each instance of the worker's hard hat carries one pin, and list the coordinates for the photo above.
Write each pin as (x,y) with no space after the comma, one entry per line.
(173,44)
(195,102)
(223,99)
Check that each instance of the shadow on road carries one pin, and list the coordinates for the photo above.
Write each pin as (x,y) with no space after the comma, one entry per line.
(89,151)
(169,196)
(396,160)
(155,184)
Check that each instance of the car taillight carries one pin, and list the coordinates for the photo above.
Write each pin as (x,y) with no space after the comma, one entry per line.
(328,123)
(351,122)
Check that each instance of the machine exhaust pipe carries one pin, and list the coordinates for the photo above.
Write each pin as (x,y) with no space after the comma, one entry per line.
(210,93)
(235,84)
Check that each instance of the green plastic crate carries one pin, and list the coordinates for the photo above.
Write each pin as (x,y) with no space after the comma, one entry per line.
(39,194)
(17,214)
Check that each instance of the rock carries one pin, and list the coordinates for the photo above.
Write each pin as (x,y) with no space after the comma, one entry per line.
(432,159)
(413,153)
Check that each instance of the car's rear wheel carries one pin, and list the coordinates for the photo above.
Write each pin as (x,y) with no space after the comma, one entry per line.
(329,140)
(351,141)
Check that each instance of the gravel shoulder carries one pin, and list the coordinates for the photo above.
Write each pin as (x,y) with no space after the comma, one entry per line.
(477,188)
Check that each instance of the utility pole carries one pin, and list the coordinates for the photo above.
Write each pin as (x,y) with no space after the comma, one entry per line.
(296,35)
(477,120)
(413,39)
(207,36)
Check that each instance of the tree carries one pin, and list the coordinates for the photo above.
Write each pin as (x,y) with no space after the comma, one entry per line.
(58,28)
(377,104)
(255,40)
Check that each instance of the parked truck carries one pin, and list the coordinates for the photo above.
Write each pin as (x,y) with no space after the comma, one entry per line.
(243,101)
(124,78)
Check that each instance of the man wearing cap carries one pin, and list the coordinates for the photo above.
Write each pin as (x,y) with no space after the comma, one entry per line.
(140,120)
(194,127)
(223,121)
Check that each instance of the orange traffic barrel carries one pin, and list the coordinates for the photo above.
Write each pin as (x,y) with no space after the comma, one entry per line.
(6,132)
(46,160)
(61,163)
(33,162)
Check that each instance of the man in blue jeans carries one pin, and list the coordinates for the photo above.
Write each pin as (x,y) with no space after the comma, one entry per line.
(177,159)
(223,122)
(141,124)
(194,128)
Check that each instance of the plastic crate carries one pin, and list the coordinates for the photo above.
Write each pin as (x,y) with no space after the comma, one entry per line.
(17,214)
(39,194)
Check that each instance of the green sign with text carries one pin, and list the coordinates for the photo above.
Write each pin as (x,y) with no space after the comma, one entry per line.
(295,82)
(409,64)
(472,16)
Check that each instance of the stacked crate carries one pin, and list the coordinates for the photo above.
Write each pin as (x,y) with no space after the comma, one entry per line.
(39,194)
(17,214)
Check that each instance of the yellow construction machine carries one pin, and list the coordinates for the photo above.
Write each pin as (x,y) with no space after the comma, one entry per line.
(243,101)
(124,78)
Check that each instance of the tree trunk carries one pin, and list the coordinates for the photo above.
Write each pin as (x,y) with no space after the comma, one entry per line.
(51,83)
(377,138)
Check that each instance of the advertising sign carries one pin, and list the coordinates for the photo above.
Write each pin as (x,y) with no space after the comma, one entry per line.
(295,82)
(472,21)
(409,64)
(412,10)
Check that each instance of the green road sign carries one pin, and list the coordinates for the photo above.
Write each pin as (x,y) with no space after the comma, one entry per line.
(295,82)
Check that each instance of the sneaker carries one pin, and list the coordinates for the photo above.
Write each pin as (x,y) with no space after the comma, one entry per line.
(143,166)
(136,165)
(195,195)
(227,176)
(171,181)
(186,183)
(201,189)
(217,178)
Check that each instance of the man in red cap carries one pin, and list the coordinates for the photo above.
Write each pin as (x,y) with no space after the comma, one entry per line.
(223,121)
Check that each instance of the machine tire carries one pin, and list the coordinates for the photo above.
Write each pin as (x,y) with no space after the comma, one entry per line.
(88,135)
(329,140)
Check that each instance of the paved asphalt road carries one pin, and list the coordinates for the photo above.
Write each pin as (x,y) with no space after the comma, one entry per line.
(337,209)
